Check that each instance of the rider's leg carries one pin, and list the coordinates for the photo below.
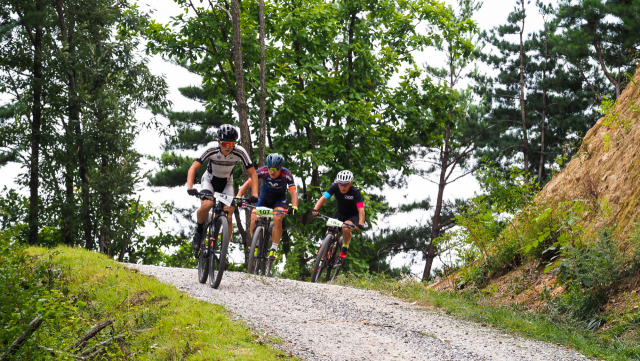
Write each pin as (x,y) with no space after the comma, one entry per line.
(346,234)
(201,215)
(253,222)
(277,229)
(230,219)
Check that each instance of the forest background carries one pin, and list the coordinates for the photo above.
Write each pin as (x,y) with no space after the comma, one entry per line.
(71,113)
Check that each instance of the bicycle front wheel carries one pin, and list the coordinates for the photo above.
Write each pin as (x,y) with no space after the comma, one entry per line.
(254,262)
(218,259)
(337,265)
(203,258)
(321,259)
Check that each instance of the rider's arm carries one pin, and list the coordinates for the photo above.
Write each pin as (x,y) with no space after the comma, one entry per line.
(319,203)
(191,175)
(253,181)
(361,215)
(294,196)
(243,188)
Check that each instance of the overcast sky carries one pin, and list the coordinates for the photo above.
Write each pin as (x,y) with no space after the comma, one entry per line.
(492,13)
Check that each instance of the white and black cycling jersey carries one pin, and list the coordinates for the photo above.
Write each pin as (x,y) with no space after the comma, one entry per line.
(220,166)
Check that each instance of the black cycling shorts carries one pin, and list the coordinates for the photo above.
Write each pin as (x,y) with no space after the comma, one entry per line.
(341,217)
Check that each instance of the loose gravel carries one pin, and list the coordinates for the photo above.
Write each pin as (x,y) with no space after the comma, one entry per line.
(328,322)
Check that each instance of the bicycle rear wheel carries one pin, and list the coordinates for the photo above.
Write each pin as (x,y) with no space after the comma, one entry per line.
(217,261)
(203,258)
(254,262)
(322,259)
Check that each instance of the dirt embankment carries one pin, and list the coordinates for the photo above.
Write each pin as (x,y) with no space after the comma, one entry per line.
(607,165)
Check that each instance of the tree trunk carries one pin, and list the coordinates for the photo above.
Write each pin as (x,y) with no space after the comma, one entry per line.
(245,135)
(525,140)
(435,226)
(544,105)
(263,87)
(36,126)
(73,117)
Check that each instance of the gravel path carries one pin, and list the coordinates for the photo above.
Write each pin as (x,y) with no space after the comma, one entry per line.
(327,322)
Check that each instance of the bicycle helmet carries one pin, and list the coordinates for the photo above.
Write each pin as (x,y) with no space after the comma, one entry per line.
(275,160)
(344,176)
(227,133)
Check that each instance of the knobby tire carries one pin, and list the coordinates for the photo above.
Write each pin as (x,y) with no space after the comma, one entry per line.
(218,264)
(336,270)
(255,244)
(203,262)
(321,259)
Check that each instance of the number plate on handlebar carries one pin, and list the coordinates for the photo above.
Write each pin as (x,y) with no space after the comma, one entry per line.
(264,212)
(332,222)
(224,198)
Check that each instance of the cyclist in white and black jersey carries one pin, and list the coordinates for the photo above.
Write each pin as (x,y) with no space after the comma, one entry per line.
(222,158)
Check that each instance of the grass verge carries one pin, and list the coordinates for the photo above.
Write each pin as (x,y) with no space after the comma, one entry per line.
(605,345)
(161,323)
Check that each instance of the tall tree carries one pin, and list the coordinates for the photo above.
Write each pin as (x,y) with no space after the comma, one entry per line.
(538,102)
(601,31)
(25,28)
(453,147)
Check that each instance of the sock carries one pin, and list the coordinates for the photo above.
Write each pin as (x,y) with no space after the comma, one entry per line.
(274,246)
(199,228)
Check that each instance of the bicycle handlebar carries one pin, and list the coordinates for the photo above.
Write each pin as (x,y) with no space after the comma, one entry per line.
(207,196)
(348,225)
(275,212)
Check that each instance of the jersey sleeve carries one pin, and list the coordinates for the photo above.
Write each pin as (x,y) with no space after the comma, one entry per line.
(262,172)
(288,178)
(244,156)
(207,153)
(331,191)
(357,197)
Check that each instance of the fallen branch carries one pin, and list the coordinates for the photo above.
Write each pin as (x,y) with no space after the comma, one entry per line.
(89,334)
(54,352)
(33,325)
(95,350)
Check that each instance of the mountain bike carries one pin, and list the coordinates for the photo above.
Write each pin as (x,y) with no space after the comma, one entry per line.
(327,260)
(212,255)
(259,262)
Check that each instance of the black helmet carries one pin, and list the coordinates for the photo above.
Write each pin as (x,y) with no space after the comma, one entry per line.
(227,133)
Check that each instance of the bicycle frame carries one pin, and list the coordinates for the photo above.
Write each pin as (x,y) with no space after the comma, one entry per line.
(327,260)
(264,220)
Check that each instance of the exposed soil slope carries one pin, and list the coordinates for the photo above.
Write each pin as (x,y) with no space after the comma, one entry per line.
(608,162)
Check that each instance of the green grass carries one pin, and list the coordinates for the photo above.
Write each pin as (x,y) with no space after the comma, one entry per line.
(173,326)
(605,345)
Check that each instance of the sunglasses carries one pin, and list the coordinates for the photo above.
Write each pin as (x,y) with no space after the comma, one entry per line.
(343,184)
(274,169)
(227,144)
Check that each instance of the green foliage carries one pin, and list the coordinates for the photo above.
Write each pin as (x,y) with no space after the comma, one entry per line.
(534,122)
(73,289)
(591,273)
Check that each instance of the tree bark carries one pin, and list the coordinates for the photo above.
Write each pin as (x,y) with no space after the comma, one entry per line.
(133,226)
(525,138)
(36,127)
(435,223)
(245,134)
(263,86)
(73,117)
(33,326)
(544,104)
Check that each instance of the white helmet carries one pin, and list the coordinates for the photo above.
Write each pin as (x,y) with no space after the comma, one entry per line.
(344,176)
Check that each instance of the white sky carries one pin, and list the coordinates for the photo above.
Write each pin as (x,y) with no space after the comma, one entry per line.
(492,13)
